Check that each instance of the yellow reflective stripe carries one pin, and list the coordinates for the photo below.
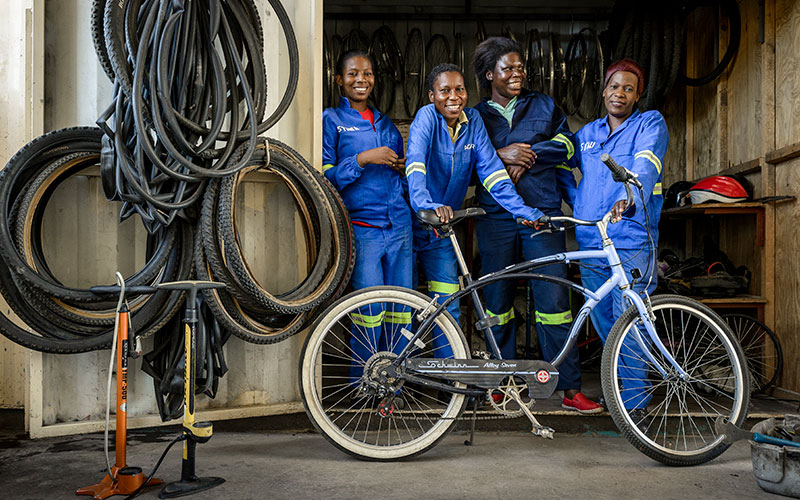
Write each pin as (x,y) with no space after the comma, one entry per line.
(562,166)
(646,153)
(494,178)
(657,189)
(504,318)
(554,318)
(417,166)
(563,139)
(366,320)
(398,317)
(441,287)
(327,167)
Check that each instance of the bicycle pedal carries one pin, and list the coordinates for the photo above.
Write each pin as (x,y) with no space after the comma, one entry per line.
(543,431)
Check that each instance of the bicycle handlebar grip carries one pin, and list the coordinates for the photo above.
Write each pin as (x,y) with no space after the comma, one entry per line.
(129,290)
(618,173)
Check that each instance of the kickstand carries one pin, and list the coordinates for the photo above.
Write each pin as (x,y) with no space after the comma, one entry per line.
(471,439)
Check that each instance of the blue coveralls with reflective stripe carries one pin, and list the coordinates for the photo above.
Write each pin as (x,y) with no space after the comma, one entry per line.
(639,144)
(537,121)
(375,197)
(439,172)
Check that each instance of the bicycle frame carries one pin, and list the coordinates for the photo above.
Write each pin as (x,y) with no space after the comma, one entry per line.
(593,297)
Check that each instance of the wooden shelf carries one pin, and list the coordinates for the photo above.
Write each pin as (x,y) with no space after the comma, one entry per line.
(743,208)
(737,302)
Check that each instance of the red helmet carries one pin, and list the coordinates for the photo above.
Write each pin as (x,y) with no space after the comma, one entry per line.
(719,188)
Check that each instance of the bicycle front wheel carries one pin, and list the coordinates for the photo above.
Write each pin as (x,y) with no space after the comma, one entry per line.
(344,384)
(669,418)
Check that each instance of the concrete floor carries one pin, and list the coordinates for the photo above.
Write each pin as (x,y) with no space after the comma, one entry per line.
(299,465)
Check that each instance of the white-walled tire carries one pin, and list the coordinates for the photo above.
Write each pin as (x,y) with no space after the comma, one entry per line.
(676,426)
(329,389)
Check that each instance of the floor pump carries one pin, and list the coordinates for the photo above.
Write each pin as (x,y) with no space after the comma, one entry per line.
(195,432)
(121,479)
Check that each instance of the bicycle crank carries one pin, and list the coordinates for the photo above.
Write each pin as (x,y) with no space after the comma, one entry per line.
(538,429)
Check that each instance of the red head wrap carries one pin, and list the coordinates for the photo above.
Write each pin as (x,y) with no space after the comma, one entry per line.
(630,66)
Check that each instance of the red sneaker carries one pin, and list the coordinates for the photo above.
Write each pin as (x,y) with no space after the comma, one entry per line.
(581,404)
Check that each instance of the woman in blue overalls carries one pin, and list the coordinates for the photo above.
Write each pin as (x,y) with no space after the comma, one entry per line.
(638,142)
(534,142)
(362,154)
(447,145)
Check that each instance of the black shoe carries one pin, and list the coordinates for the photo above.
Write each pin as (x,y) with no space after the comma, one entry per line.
(641,419)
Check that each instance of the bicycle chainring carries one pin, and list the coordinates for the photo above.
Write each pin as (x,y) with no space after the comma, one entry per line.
(505,404)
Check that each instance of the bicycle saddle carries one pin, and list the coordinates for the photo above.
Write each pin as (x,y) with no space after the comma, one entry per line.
(430,220)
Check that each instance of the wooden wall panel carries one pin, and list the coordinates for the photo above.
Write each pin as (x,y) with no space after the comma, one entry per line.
(704,155)
(787,73)
(674,112)
(743,138)
(787,275)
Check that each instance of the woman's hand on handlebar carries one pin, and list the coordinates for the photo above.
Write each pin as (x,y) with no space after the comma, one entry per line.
(540,223)
(445,213)
(617,210)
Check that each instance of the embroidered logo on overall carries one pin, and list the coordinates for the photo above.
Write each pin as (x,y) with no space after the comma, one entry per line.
(588,145)
(469,146)
(342,128)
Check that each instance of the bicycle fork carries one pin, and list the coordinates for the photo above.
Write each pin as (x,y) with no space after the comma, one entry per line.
(646,318)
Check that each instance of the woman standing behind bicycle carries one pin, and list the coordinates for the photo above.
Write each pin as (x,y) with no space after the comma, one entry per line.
(362,154)
(638,142)
(534,142)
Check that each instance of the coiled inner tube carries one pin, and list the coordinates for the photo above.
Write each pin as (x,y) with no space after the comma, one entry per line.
(190,87)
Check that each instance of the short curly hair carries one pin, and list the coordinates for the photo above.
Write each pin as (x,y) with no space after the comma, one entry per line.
(438,70)
(488,52)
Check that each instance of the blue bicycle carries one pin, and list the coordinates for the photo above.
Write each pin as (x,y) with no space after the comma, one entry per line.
(670,365)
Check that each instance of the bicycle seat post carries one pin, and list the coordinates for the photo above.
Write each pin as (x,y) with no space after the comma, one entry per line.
(194,432)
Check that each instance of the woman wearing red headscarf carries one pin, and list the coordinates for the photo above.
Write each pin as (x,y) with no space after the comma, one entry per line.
(638,142)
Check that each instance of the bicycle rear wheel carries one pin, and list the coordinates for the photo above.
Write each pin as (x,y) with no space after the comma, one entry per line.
(667,418)
(761,350)
(344,387)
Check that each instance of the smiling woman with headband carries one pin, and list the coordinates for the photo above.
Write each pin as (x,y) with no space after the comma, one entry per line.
(362,154)
(637,141)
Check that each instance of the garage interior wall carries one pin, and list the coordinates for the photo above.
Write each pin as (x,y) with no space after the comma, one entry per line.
(66,393)
(747,121)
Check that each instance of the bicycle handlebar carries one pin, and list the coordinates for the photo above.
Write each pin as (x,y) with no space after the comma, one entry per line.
(619,173)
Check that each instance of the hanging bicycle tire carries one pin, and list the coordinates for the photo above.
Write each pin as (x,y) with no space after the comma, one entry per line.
(592,99)
(761,349)
(65,319)
(533,61)
(245,307)
(414,80)
(731,10)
